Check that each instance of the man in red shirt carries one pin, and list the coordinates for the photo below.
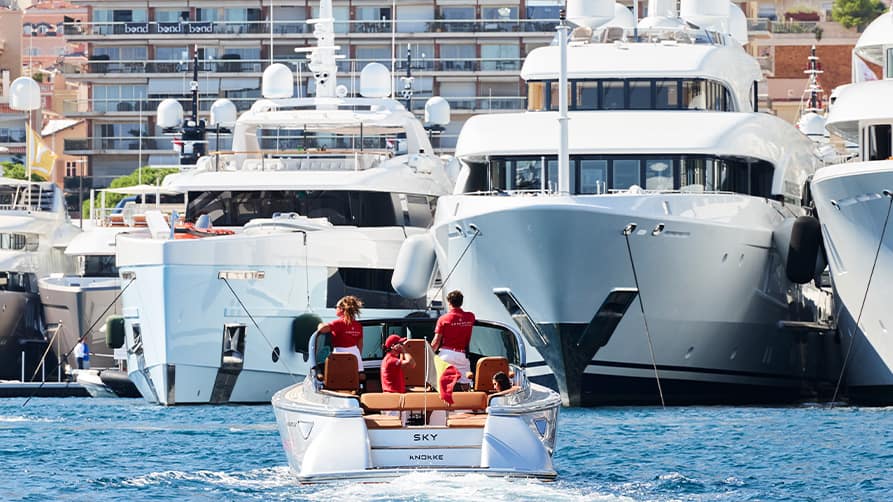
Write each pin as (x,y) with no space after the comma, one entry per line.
(452,334)
(396,357)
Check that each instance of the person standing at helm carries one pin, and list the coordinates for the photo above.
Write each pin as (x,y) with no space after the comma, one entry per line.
(347,333)
(452,334)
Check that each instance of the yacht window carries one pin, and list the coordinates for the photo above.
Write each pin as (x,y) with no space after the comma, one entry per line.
(879,147)
(640,95)
(98,266)
(593,176)
(526,174)
(695,174)
(612,95)
(553,95)
(625,174)
(659,174)
(666,94)
(760,179)
(693,96)
(494,341)
(536,96)
(15,242)
(586,95)
(890,63)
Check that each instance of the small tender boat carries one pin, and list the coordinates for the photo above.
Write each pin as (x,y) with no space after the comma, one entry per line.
(332,430)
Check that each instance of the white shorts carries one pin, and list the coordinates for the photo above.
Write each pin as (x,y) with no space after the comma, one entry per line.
(355,351)
(458,360)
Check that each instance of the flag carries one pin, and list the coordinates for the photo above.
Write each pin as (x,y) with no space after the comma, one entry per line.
(861,72)
(40,158)
(448,380)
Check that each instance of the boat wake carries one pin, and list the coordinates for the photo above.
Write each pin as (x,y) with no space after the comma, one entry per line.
(256,479)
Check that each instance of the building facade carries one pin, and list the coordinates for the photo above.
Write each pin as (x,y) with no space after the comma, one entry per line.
(12,123)
(468,51)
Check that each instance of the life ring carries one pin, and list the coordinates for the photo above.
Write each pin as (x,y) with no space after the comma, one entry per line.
(188,231)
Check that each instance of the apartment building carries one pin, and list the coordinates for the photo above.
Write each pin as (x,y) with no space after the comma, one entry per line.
(12,122)
(468,51)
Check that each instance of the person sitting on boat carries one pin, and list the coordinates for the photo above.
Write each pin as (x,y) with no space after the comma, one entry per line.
(347,333)
(451,336)
(501,382)
(395,358)
(82,354)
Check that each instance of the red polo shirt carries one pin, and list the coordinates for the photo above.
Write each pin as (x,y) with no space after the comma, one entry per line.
(345,333)
(455,327)
(392,379)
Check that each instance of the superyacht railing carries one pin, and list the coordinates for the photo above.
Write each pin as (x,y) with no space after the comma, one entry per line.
(299,26)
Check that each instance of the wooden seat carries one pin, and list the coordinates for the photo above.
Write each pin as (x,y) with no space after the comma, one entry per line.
(383,421)
(415,377)
(486,368)
(432,401)
(378,401)
(341,373)
(467,420)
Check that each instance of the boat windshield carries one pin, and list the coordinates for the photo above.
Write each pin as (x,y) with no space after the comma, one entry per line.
(598,174)
(235,208)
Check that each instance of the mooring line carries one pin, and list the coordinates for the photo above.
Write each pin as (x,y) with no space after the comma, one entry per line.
(626,231)
(259,330)
(853,336)
(64,358)
(477,232)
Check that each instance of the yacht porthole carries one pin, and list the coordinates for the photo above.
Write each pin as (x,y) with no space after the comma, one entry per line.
(276,353)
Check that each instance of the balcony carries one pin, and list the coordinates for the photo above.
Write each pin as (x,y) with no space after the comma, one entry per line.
(186,29)
(118,145)
(132,107)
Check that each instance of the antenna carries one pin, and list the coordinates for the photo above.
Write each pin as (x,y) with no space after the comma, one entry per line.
(407,80)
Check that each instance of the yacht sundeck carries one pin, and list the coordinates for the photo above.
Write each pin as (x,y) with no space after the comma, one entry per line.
(853,201)
(321,192)
(34,230)
(661,250)
(332,431)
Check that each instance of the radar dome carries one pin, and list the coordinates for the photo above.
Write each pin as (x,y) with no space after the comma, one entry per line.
(375,81)
(223,113)
(170,114)
(437,112)
(341,91)
(277,82)
(623,17)
(24,94)
(813,125)
(737,24)
(263,105)
(591,13)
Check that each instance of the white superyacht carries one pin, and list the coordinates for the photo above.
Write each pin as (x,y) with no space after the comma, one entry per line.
(853,201)
(321,192)
(654,266)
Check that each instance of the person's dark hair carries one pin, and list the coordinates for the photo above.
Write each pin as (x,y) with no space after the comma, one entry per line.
(351,306)
(502,381)
(455,298)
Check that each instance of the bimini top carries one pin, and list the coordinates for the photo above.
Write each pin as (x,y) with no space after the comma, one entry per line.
(747,135)
(878,34)
(865,102)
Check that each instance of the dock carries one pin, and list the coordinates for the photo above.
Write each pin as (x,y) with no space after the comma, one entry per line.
(14,388)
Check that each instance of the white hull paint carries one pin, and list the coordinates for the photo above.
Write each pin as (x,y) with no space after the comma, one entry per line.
(713,289)
(176,307)
(852,227)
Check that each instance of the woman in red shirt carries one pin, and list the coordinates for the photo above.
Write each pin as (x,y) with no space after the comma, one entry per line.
(347,333)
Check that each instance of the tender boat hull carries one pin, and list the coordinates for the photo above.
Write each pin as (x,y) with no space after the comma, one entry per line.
(22,335)
(853,210)
(711,283)
(326,438)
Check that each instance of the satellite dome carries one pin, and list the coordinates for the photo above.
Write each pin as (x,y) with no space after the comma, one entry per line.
(24,94)
(375,81)
(223,113)
(277,82)
(170,114)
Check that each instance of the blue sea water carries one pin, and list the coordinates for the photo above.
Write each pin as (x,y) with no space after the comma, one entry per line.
(126,449)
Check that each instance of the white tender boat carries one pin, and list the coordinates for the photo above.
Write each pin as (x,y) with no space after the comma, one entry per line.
(331,431)
(321,192)
(853,201)
(661,250)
